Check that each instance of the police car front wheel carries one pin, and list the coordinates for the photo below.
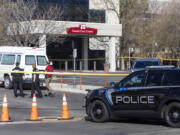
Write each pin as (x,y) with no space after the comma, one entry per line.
(98,111)
(172,114)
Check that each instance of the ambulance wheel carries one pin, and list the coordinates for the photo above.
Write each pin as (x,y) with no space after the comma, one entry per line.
(99,112)
(172,114)
(7,82)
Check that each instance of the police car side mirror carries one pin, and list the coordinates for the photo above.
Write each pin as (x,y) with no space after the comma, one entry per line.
(119,84)
(114,84)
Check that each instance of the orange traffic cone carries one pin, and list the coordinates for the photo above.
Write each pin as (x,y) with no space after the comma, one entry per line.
(65,111)
(4,113)
(34,111)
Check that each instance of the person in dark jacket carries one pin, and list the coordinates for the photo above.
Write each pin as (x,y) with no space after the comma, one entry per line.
(35,82)
(49,91)
(18,80)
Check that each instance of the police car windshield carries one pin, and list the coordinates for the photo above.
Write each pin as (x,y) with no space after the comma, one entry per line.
(143,64)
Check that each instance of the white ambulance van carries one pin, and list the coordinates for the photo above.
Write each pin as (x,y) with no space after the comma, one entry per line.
(26,56)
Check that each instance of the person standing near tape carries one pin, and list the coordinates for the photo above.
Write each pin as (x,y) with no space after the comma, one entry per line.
(35,82)
(17,80)
(49,91)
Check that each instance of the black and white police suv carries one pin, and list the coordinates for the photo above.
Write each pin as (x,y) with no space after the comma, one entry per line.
(150,93)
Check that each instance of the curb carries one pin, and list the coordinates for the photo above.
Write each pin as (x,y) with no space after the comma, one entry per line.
(71,88)
(39,122)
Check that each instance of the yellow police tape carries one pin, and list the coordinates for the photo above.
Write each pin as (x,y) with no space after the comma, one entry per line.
(125,57)
(67,73)
(143,57)
(77,59)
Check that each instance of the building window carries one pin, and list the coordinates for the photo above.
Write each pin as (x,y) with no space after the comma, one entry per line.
(73,10)
(97,16)
(75,13)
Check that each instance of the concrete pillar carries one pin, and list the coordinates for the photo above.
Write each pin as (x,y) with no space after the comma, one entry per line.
(42,41)
(112,54)
(122,64)
(85,46)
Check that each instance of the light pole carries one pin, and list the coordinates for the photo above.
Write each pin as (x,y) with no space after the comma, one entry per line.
(153,48)
(74,60)
(130,50)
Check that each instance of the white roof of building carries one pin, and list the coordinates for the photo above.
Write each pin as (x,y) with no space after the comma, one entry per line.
(21,50)
(60,27)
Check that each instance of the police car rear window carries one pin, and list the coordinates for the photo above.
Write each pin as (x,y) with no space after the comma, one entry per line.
(173,78)
(154,79)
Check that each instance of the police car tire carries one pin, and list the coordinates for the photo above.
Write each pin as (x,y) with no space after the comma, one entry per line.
(104,111)
(7,78)
(167,116)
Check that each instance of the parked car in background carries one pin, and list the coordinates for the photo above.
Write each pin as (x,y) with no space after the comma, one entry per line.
(140,64)
(26,56)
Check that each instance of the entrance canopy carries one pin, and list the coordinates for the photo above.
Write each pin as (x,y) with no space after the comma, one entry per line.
(62,27)
(69,28)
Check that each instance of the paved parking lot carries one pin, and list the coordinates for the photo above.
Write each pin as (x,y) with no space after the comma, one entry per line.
(19,110)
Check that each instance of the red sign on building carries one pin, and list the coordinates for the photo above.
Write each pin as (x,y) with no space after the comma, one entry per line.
(82,29)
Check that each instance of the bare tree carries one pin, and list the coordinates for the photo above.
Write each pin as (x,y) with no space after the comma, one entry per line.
(129,13)
(28,21)
(149,41)
(167,29)
(4,13)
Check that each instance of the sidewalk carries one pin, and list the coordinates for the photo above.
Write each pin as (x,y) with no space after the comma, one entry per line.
(71,88)
(92,71)
(57,86)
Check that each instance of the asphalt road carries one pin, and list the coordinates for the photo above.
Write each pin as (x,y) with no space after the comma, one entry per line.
(19,108)
(19,111)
